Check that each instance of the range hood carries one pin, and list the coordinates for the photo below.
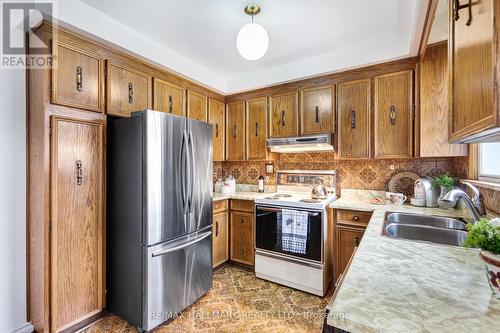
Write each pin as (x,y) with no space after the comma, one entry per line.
(322,142)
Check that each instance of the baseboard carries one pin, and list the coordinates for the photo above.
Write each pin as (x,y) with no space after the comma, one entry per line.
(26,328)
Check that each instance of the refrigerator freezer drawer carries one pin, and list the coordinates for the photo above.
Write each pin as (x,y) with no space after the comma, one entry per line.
(178,273)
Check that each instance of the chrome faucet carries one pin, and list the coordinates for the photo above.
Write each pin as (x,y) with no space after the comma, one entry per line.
(456,194)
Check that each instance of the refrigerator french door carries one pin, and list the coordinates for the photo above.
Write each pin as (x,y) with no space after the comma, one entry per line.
(159,215)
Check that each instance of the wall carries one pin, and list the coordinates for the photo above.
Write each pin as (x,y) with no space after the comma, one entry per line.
(363,174)
(13,201)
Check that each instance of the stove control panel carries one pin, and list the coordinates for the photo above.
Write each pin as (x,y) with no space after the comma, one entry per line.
(308,177)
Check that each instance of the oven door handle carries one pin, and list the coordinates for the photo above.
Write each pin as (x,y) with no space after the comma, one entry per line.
(278,210)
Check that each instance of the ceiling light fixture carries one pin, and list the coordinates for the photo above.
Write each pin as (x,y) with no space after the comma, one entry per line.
(252,40)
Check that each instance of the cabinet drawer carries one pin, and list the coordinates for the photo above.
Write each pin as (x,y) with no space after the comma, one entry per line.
(352,217)
(242,205)
(219,206)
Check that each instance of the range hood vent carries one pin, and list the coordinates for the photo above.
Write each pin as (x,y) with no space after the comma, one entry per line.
(322,142)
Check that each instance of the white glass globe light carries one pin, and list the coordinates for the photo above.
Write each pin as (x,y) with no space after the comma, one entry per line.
(252,41)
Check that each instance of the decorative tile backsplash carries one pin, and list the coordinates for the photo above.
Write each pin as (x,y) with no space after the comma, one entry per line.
(360,174)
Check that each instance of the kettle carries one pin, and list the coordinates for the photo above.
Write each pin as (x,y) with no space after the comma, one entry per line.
(319,191)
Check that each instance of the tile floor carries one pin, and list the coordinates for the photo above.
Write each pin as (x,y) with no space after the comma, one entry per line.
(239,302)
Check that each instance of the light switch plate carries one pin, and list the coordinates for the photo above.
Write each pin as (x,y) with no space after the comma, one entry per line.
(269,168)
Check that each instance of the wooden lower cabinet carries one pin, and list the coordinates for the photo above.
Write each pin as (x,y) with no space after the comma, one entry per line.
(242,238)
(77,228)
(349,229)
(220,239)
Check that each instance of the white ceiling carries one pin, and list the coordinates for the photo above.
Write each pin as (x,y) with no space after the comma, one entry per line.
(307,37)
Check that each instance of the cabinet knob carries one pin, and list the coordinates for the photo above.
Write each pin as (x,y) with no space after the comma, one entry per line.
(242,221)
(216,229)
(356,241)
(392,115)
(242,251)
(316,114)
(216,130)
(234,131)
(79,172)
(256,129)
(353,119)
(283,119)
(355,218)
(241,234)
(170,103)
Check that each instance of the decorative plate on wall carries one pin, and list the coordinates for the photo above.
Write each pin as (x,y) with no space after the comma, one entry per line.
(403,182)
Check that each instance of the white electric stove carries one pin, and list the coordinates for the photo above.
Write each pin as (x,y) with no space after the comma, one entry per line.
(293,241)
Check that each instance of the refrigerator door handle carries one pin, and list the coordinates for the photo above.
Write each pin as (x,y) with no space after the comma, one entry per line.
(184,166)
(182,246)
(192,163)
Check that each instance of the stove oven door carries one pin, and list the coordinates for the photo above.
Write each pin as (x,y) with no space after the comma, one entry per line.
(289,232)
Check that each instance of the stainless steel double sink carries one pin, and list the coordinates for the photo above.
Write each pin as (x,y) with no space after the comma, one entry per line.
(426,228)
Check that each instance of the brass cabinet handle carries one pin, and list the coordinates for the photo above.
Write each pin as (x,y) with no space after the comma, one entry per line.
(234,131)
(170,103)
(356,241)
(355,218)
(457,7)
(316,114)
(79,78)
(353,119)
(79,172)
(392,115)
(256,129)
(283,119)
(242,221)
(216,229)
(216,130)
(241,234)
(130,93)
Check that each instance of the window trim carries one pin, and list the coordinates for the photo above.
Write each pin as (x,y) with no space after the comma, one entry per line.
(484,177)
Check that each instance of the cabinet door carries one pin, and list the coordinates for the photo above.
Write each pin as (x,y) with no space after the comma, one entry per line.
(127,90)
(76,238)
(77,78)
(434,105)
(168,97)
(283,116)
(197,106)
(220,239)
(316,111)
(354,115)
(242,247)
(394,115)
(217,119)
(256,129)
(235,131)
(474,64)
(347,239)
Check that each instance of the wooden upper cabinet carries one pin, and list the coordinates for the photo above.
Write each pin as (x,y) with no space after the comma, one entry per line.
(77,78)
(283,117)
(217,119)
(316,111)
(235,131)
(354,119)
(434,105)
(128,90)
(256,129)
(393,121)
(169,98)
(197,106)
(474,72)
(77,233)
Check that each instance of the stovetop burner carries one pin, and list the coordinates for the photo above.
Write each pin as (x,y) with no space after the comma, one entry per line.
(278,196)
(310,200)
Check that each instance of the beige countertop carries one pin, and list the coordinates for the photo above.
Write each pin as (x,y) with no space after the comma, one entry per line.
(396,285)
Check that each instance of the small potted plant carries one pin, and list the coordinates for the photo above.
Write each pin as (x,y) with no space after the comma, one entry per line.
(485,235)
(446,183)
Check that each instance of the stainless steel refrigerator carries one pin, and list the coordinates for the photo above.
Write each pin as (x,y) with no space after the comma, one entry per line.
(159,215)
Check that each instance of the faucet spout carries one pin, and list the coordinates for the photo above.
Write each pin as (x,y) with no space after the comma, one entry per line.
(455,195)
